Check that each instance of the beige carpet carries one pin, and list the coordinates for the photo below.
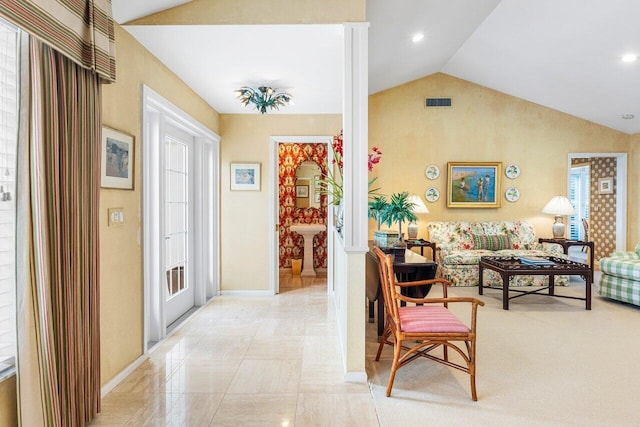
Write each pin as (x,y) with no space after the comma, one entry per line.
(545,362)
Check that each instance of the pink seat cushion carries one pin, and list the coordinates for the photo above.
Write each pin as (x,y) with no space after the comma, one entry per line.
(430,319)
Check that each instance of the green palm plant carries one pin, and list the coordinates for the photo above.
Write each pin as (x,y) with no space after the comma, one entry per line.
(377,208)
(399,210)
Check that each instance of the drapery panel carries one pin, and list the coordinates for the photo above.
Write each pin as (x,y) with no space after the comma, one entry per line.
(58,262)
(82,30)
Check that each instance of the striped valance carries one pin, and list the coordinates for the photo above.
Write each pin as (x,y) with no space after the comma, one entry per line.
(80,29)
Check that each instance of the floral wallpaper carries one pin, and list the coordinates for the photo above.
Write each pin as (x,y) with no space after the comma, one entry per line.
(292,244)
(602,213)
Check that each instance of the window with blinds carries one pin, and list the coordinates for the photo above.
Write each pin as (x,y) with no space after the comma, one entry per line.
(579,196)
(8,150)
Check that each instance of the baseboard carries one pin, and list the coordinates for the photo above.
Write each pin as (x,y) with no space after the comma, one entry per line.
(356,377)
(122,375)
(248,293)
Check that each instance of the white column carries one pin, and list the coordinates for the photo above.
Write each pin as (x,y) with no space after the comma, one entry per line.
(355,121)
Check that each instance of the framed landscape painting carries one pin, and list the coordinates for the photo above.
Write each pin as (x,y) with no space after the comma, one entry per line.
(117,159)
(245,176)
(473,184)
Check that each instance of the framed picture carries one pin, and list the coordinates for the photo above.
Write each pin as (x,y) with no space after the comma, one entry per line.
(245,176)
(605,185)
(474,184)
(317,198)
(316,182)
(302,191)
(117,159)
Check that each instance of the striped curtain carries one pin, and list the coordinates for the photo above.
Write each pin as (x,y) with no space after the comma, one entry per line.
(58,253)
(82,30)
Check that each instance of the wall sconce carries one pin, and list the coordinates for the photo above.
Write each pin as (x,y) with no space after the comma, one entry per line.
(559,206)
(263,98)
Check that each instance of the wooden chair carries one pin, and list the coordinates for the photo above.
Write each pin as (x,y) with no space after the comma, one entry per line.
(585,225)
(416,331)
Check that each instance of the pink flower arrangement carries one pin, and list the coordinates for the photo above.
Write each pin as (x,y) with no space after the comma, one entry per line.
(333,186)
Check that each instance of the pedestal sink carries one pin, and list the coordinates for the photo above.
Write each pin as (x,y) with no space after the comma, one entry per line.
(308,231)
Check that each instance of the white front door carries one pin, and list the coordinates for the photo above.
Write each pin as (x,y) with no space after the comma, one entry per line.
(178,223)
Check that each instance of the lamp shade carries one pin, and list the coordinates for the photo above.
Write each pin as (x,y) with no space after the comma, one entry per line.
(559,205)
(418,205)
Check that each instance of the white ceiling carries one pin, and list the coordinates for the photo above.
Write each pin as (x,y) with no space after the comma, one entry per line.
(561,54)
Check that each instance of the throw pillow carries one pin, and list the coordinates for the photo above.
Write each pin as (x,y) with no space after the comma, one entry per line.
(491,242)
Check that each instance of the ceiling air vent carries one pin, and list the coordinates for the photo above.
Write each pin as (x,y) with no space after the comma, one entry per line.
(438,103)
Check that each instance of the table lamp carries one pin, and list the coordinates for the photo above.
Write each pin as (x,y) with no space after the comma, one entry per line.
(418,208)
(559,206)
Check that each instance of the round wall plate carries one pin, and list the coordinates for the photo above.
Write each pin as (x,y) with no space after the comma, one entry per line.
(512,194)
(512,171)
(432,195)
(432,172)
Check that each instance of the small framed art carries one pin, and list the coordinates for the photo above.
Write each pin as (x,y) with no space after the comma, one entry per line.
(605,185)
(117,159)
(302,191)
(245,176)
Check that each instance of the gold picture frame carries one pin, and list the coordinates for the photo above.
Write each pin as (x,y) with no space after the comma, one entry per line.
(474,184)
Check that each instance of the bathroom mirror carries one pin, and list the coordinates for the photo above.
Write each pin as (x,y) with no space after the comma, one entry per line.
(307,189)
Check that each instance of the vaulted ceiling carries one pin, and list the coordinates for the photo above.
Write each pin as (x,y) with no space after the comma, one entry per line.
(566,55)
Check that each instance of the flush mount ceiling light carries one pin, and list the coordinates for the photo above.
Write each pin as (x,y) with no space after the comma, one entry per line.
(264,97)
(417,37)
(629,57)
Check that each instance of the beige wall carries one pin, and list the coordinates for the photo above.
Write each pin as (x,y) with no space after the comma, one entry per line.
(633,201)
(8,403)
(248,12)
(121,302)
(244,215)
(483,125)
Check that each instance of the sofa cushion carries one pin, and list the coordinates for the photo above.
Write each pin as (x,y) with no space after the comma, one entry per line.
(620,267)
(469,257)
(521,234)
(492,242)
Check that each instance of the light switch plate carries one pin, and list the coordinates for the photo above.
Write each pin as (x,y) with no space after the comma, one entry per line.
(116,216)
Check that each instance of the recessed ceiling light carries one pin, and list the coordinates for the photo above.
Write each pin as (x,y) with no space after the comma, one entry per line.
(628,116)
(417,37)
(629,57)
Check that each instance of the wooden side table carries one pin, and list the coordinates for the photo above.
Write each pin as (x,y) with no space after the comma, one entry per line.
(421,243)
(566,244)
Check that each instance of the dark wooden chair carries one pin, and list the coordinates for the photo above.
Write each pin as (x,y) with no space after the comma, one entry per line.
(416,331)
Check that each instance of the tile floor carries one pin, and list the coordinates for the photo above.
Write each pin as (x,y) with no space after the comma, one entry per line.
(247,361)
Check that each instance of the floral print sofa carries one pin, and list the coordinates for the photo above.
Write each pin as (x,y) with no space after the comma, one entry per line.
(620,279)
(460,245)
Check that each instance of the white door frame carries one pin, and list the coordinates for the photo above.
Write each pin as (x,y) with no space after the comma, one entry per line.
(621,192)
(274,274)
(156,112)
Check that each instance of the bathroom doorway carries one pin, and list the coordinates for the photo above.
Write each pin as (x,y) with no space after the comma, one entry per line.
(293,159)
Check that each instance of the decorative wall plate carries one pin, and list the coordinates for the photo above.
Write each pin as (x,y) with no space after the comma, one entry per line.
(432,172)
(512,171)
(512,194)
(432,195)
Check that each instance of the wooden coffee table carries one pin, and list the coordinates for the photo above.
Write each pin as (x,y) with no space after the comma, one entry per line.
(512,266)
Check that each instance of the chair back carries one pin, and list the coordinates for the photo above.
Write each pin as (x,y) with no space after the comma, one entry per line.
(387,279)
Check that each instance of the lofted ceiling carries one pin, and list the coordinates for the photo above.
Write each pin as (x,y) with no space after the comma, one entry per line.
(565,54)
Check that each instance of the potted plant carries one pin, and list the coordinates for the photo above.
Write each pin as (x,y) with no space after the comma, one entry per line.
(399,209)
(377,208)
